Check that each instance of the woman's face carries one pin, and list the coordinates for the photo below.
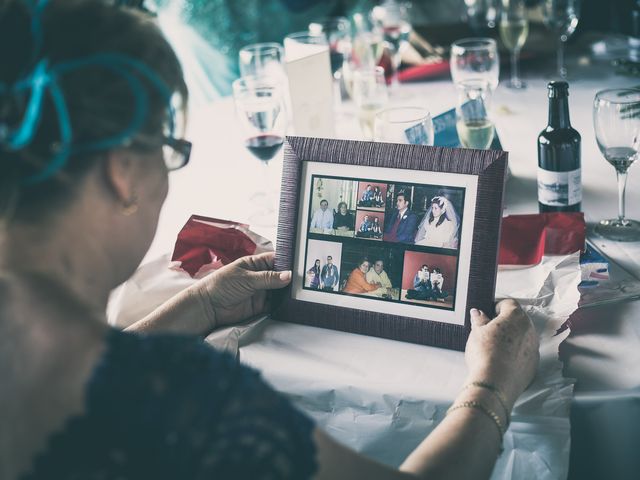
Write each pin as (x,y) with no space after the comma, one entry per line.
(343,209)
(317,263)
(364,267)
(436,210)
(425,269)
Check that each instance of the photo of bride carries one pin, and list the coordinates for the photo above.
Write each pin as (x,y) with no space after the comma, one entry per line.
(440,226)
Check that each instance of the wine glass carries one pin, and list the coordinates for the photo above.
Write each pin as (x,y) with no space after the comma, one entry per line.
(514,28)
(616,121)
(475,58)
(482,15)
(561,17)
(404,125)
(368,41)
(260,107)
(392,18)
(474,126)
(370,96)
(262,59)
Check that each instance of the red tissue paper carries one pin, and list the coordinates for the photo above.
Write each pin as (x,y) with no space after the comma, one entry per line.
(526,238)
(205,244)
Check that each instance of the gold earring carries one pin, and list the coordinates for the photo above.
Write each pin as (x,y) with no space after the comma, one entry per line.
(130,206)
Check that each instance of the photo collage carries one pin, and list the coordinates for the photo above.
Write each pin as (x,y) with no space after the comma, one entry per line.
(395,242)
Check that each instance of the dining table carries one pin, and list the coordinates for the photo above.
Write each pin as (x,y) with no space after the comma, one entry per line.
(356,386)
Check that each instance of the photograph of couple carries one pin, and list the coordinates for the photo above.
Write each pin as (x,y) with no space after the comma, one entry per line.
(333,207)
(372,272)
(322,266)
(424,215)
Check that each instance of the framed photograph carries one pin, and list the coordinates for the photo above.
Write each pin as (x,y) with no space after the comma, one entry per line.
(390,240)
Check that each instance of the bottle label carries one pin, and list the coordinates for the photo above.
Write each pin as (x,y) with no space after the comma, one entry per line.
(559,189)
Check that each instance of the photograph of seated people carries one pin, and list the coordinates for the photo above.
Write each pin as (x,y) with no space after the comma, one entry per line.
(372,195)
(333,204)
(374,272)
(369,225)
(357,283)
(440,226)
(214,417)
(425,276)
(401,223)
(377,275)
(322,260)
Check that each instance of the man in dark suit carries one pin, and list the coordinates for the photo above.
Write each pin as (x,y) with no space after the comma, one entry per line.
(402,224)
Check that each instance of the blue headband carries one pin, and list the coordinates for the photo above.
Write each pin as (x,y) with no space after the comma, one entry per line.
(44,79)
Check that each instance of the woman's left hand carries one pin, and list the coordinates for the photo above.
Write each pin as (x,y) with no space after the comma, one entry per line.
(238,291)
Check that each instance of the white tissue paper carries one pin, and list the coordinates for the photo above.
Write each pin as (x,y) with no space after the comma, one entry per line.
(382,397)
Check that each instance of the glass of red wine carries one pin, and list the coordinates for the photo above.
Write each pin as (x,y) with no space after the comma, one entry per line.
(261,110)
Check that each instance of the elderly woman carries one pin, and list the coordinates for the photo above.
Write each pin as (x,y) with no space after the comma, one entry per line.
(357,281)
(85,145)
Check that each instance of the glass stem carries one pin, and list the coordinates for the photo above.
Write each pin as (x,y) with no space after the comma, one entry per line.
(622,185)
(514,68)
(562,71)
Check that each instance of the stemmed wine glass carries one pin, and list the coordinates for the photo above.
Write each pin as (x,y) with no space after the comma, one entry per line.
(561,17)
(616,121)
(411,125)
(475,59)
(261,110)
(514,28)
(392,18)
(370,96)
(262,59)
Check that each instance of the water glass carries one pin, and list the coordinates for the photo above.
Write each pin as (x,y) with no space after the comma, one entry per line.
(475,59)
(260,107)
(262,59)
(474,126)
(616,121)
(370,96)
(411,125)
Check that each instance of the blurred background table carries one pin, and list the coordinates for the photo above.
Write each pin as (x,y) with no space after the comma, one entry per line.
(603,349)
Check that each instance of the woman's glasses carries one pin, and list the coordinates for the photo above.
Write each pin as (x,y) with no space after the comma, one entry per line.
(176,152)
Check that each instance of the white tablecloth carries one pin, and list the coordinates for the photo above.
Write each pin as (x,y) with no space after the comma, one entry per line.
(602,353)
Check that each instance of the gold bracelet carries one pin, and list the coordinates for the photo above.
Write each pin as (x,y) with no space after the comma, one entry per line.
(488,412)
(496,392)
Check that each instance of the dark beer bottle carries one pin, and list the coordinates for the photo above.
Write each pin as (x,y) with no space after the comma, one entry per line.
(559,174)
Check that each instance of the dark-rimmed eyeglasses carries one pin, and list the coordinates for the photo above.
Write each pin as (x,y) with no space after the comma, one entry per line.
(176,152)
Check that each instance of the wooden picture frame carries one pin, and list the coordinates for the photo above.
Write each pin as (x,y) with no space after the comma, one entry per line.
(468,186)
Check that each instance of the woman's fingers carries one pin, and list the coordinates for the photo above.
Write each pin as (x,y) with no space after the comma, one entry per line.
(478,318)
(269,280)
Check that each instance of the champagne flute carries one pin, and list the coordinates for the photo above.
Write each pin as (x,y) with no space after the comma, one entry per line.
(475,58)
(617,126)
(370,96)
(514,28)
(392,17)
(475,128)
(368,41)
(261,111)
(411,125)
(561,17)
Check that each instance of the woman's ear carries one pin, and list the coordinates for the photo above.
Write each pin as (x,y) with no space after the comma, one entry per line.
(119,174)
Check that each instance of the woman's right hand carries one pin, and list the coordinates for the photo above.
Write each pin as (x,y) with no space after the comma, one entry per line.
(503,351)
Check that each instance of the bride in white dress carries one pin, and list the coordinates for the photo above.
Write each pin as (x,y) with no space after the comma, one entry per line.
(439,227)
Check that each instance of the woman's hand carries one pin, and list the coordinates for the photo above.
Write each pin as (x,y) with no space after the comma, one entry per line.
(238,291)
(503,351)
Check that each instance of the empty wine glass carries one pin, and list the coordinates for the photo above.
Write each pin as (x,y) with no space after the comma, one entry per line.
(473,124)
(475,59)
(514,28)
(261,110)
(561,16)
(370,96)
(411,125)
(616,121)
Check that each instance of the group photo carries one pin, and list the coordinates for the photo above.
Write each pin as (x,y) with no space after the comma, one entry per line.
(429,279)
(372,196)
(369,224)
(373,271)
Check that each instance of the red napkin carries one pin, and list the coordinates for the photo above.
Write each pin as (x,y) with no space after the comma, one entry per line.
(421,72)
(206,244)
(526,238)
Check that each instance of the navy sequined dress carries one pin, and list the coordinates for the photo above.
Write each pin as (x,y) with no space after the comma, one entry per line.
(171,407)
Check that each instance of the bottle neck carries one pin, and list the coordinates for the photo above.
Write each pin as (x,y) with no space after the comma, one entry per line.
(559,113)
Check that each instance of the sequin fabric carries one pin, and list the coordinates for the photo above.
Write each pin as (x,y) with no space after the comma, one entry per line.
(171,407)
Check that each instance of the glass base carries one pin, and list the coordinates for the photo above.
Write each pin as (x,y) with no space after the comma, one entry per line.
(517,85)
(614,229)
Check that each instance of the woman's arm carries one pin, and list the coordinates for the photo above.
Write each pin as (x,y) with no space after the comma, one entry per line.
(465,445)
(234,293)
